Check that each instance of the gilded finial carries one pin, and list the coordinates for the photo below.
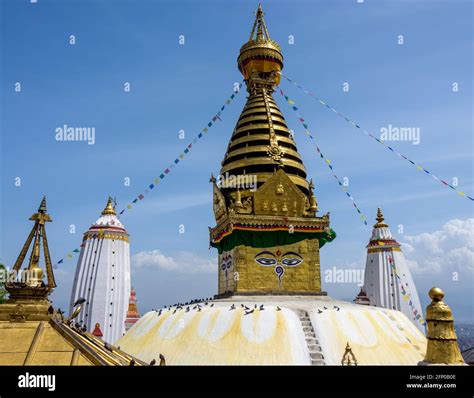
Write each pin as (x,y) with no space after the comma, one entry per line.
(260,47)
(348,359)
(380,219)
(109,208)
(33,273)
(442,347)
(42,208)
(259,25)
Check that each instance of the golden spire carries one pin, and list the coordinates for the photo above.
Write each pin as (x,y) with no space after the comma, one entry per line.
(262,142)
(442,347)
(109,208)
(260,59)
(32,284)
(348,358)
(259,24)
(380,220)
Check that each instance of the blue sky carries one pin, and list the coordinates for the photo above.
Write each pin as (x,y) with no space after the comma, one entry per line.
(175,87)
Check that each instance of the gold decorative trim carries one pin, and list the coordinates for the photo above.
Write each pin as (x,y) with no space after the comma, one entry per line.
(90,235)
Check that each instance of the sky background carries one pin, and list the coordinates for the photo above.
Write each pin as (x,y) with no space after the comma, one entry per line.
(180,87)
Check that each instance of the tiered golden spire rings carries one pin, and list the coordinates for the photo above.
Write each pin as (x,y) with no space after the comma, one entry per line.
(380,220)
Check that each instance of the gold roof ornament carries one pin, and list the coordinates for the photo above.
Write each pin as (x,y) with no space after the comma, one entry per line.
(442,347)
(380,220)
(32,332)
(261,143)
(260,53)
(29,284)
(109,208)
(348,358)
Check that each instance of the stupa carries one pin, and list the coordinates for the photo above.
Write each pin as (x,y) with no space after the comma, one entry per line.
(270,307)
(132,313)
(103,276)
(387,279)
(32,331)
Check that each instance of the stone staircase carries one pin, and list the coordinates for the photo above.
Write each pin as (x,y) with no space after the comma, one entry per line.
(315,353)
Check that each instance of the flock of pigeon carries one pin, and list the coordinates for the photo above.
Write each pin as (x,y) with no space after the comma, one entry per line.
(199,304)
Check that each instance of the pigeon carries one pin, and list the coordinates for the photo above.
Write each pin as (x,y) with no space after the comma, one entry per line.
(242,305)
(153,361)
(159,313)
(206,303)
(199,309)
(162,360)
(319,311)
(80,300)
(132,362)
(255,306)
(261,308)
(278,308)
(246,308)
(174,312)
(325,308)
(187,309)
(212,305)
(249,312)
(108,347)
(232,307)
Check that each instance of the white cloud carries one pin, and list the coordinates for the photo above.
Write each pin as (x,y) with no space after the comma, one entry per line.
(184,261)
(450,249)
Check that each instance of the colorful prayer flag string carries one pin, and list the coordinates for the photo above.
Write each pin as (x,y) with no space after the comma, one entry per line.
(167,170)
(405,295)
(382,142)
(327,161)
(181,156)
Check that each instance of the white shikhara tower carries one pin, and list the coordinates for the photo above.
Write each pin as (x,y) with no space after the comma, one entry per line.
(387,280)
(103,276)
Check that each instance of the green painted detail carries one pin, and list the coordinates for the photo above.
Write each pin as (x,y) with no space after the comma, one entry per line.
(263,239)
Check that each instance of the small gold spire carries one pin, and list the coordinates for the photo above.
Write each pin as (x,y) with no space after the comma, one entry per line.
(380,219)
(109,208)
(42,208)
(259,24)
(348,359)
(33,285)
(442,347)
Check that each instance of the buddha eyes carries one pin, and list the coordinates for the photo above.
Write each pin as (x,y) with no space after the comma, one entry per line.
(286,261)
(292,261)
(266,261)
